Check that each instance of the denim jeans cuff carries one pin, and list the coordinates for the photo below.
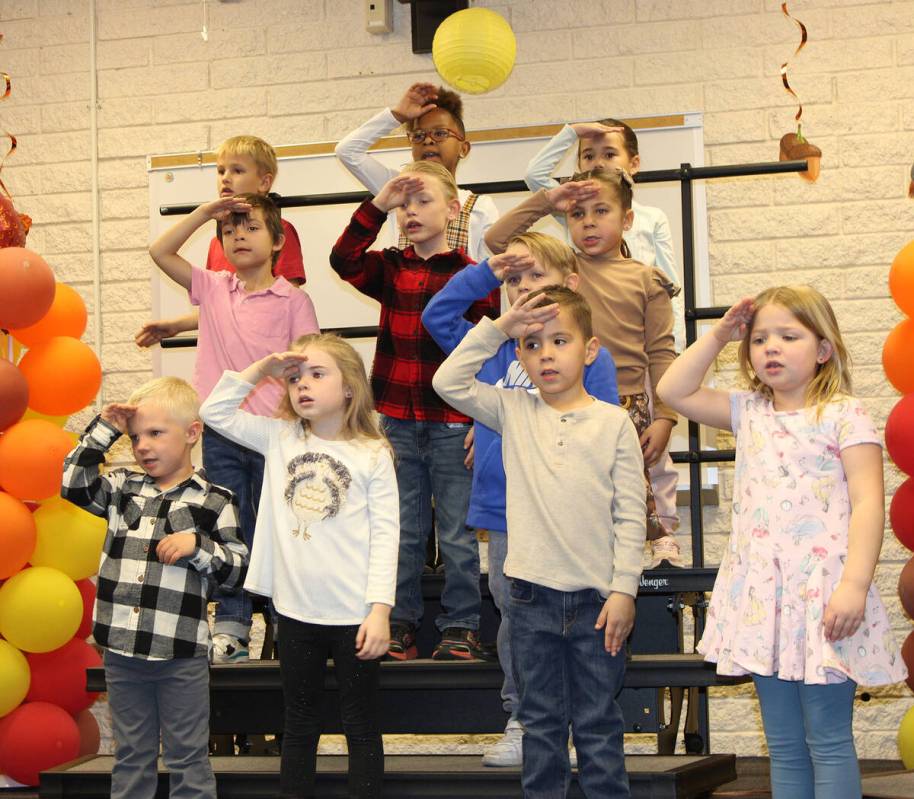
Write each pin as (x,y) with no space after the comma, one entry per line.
(237,628)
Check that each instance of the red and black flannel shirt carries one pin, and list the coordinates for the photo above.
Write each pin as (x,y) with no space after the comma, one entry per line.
(406,356)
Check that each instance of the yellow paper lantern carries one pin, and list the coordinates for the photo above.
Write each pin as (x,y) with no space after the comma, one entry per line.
(474,50)
(60,421)
(906,739)
(40,609)
(69,538)
(15,677)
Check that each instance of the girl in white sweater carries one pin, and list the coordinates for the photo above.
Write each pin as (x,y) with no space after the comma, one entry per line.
(326,544)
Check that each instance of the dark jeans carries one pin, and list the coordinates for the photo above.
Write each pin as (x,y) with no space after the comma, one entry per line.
(430,465)
(240,470)
(302,662)
(564,675)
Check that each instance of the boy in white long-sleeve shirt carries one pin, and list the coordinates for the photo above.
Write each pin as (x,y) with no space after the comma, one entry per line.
(434,128)
(576,530)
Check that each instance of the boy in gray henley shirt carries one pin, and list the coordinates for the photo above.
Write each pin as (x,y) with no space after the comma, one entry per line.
(576,530)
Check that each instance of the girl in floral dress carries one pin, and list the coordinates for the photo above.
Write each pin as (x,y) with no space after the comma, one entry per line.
(794,604)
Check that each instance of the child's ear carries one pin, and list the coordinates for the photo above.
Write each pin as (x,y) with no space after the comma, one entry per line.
(825,351)
(279,243)
(590,350)
(453,210)
(635,165)
(465,147)
(194,431)
(628,219)
(572,281)
(266,182)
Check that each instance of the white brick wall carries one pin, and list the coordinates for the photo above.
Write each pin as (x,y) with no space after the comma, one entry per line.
(304,70)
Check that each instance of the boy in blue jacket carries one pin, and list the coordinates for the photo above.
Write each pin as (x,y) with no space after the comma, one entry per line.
(531,261)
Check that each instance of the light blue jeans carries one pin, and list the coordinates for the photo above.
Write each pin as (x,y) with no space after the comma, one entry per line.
(430,466)
(500,587)
(809,730)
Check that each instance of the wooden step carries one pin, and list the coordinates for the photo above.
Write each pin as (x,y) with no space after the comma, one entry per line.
(406,777)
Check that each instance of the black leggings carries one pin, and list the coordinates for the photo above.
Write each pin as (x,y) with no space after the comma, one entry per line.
(303,652)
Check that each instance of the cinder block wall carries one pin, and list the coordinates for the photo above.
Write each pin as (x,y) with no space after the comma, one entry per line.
(306,70)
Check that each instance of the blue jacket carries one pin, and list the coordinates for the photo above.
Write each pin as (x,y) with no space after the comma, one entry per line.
(443,318)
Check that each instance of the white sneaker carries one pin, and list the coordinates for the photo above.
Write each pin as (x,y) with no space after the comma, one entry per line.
(667,549)
(573,756)
(508,751)
(228,649)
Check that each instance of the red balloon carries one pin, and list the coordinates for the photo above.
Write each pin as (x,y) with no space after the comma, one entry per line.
(899,434)
(59,676)
(26,286)
(63,375)
(90,737)
(901,279)
(896,356)
(14,394)
(901,513)
(31,458)
(36,736)
(66,317)
(907,655)
(18,535)
(87,590)
(906,588)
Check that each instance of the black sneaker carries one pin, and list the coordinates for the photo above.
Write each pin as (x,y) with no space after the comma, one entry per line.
(402,642)
(459,643)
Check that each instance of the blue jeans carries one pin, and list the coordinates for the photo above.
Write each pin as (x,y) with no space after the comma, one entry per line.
(240,470)
(500,589)
(146,696)
(430,465)
(809,730)
(565,676)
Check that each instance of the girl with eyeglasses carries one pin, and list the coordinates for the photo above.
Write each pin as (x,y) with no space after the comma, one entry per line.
(433,117)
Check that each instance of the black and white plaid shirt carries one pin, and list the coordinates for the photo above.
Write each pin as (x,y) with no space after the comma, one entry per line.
(144,608)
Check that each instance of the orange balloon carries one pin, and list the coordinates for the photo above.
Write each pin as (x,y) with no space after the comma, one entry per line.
(897,358)
(14,394)
(63,375)
(26,286)
(18,535)
(66,317)
(31,459)
(901,279)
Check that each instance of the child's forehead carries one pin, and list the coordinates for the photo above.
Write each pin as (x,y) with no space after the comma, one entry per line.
(437,117)
(774,314)
(614,140)
(151,412)
(245,160)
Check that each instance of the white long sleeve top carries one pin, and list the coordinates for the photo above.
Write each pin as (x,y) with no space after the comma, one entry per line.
(352,151)
(328,526)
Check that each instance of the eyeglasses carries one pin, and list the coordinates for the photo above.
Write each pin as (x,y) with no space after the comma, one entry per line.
(418,135)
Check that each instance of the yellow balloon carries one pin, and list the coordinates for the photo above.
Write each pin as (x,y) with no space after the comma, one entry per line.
(60,421)
(15,677)
(69,538)
(40,609)
(906,739)
(474,50)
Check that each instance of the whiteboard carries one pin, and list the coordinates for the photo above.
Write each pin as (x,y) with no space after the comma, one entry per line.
(496,158)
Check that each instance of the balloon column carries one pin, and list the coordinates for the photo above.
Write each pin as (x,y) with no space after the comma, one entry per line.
(48,547)
(899,441)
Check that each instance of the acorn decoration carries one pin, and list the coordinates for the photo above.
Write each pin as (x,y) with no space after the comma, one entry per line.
(796,147)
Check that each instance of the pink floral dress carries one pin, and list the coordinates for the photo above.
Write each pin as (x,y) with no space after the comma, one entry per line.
(786,553)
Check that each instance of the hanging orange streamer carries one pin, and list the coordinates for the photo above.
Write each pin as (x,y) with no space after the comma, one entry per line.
(803,38)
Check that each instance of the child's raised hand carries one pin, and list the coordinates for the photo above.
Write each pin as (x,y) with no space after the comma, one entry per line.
(617,619)
(654,440)
(117,414)
(844,611)
(153,332)
(565,196)
(594,130)
(733,325)
(224,207)
(510,263)
(176,546)
(394,192)
(281,365)
(373,637)
(416,101)
(524,317)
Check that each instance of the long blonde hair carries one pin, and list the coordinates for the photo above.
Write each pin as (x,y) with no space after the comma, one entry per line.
(359,418)
(812,310)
